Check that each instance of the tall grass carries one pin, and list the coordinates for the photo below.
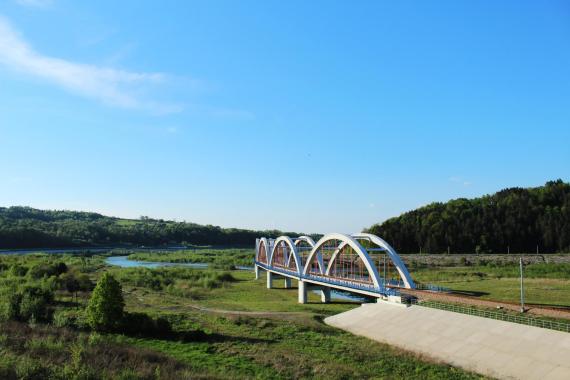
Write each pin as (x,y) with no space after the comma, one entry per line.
(218,258)
(161,278)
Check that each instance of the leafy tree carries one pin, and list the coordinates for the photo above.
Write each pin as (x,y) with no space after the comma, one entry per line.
(70,283)
(106,305)
(85,283)
(515,220)
(25,227)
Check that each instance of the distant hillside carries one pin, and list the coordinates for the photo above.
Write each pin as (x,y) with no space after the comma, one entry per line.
(25,227)
(515,217)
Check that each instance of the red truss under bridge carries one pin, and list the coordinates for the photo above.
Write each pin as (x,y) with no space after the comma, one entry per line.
(359,263)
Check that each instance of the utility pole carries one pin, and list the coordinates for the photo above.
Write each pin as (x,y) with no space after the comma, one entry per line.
(522,286)
(508,249)
(384,269)
(448,249)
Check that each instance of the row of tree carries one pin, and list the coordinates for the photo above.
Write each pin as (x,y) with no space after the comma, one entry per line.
(514,219)
(25,227)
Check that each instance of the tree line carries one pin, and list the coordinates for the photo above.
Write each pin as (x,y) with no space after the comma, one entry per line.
(25,227)
(514,219)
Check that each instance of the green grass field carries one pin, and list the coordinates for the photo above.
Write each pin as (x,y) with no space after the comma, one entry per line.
(226,325)
(218,258)
(291,344)
(547,284)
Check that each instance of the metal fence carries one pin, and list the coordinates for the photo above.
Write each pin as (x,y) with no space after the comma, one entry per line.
(432,288)
(507,317)
(333,281)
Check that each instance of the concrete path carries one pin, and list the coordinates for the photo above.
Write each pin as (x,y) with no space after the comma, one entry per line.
(494,348)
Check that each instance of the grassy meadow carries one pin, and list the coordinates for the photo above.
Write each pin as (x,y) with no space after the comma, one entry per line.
(545,283)
(218,258)
(224,324)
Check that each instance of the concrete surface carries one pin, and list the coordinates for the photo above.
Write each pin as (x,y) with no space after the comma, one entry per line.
(494,348)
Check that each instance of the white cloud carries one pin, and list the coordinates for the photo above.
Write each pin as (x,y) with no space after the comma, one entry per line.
(110,86)
(35,3)
(460,180)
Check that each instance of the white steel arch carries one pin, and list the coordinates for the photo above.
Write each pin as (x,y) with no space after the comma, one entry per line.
(266,245)
(287,240)
(307,239)
(398,263)
(345,239)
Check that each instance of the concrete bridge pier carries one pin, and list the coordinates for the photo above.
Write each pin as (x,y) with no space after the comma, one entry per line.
(302,292)
(256,272)
(287,283)
(325,295)
(269,280)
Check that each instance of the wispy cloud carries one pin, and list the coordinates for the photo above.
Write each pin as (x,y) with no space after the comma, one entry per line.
(460,180)
(35,3)
(108,85)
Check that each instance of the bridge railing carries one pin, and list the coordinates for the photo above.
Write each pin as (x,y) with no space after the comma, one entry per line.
(383,290)
(507,317)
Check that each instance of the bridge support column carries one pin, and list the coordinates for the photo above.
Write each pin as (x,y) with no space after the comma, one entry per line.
(256,272)
(302,292)
(269,280)
(287,283)
(326,295)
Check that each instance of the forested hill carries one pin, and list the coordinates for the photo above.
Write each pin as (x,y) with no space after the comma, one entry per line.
(24,227)
(517,218)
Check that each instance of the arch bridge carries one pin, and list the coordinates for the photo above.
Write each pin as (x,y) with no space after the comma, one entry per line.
(360,263)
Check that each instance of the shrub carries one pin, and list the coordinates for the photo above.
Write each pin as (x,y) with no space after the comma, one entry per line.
(67,318)
(18,270)
(28,368)
(85,283)
(10,306)
(106,305)
(35,304)
(48,270)
(69,282)
(31,302)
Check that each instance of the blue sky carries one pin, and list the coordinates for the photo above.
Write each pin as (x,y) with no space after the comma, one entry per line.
(307,116)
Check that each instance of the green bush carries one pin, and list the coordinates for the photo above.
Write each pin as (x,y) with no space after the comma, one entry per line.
(106,305)
(30,369)
(10,306)
(67,318)
(47,270)
(18,270)
(27,303)
(35,304)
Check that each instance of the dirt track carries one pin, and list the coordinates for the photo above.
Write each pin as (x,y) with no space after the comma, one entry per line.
(552,312)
